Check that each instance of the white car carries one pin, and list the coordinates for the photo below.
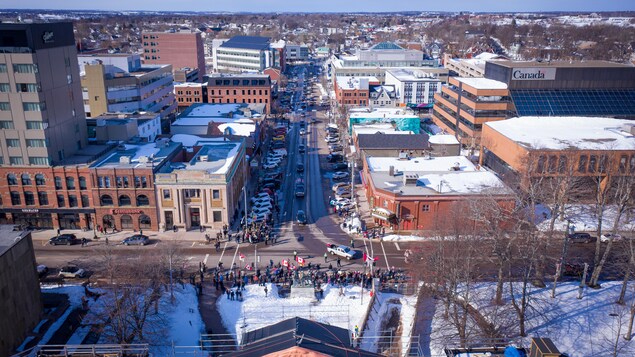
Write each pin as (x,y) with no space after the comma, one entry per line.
(273,159)
(606,237)
(268,166)
(72,272)
(302,132)
(260,196)
(339,201)
(340,175)
(281,151)
(260,210)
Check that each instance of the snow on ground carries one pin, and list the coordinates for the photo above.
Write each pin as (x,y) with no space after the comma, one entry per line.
(586,327)
(257,310)
(583,218)
(402,238)
(183,319)
(385,303)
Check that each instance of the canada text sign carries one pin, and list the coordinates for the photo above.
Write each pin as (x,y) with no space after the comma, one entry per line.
(533,74)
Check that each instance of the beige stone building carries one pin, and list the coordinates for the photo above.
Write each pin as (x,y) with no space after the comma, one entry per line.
(204,187)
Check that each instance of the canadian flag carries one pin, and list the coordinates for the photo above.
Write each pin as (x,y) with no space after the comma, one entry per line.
(368,258)
(285,263)
(248,267)
(241,256)
(292,267)
(300,260)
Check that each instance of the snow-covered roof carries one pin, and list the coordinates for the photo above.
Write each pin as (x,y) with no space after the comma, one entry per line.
(189,140)
(385,128)
(238,128)
(204,113)
(148,155)
(355,82)
(449,175)
(219,157)
(482,83)
(414,75)
(443,139)
(562,133)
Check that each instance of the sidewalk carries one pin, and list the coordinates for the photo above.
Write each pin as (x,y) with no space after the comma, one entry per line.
(180,235)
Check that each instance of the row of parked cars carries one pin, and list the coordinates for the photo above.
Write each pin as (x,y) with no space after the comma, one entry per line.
(71,239)
(583,237)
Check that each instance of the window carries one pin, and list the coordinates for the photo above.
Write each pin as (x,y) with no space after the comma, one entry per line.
(29,199)
(6,124)
(5,87)
(35,160)
(85,201)
(593,163)
(43,198)
(553,163)
(105,200)
(126,184)
(27,88)
(124,200)
(623,160)
(145,222)
(70,183)
(26,180)
(385,204)
(541,163)
(119,181)
(36,143)
(126,222)
(582,163)
(3,68)
(82,183)
(216,194)
(33,107)
(15,198)
(13,143)
(72,201)
(34,125)
(142,200)
(58,183)
(603,163)
(11,179)
(191,193)
(107,182)
(144,182)
(563,164)
(137,181)
(25,68)
(40,180)
(167,195)
(60,201)
(425,208)
(16,160)
(217,216)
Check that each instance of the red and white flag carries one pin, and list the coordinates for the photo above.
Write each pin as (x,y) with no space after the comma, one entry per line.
(241,256)
(285,263)
(300,260)
(248,267)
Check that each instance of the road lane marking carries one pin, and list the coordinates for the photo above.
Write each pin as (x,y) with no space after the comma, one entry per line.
(397,246)
(385,256)
(205,260)
(234,258)
(193,243)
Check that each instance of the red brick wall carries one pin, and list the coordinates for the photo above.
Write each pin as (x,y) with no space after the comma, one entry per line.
(241,94)
(116,210)
(180,49)
(186,96)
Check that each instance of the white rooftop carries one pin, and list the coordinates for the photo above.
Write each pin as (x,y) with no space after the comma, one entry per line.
(404,74)
(450,175)
(355,82)
(482,83)
(385,128)
(188,84)
(561,133)
(203,114)
(443,139)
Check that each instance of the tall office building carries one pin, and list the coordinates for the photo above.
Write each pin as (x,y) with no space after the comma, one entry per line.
(181,49)
(41,111)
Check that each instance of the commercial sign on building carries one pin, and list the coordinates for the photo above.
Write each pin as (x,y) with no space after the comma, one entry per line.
(533,74)
(126,211)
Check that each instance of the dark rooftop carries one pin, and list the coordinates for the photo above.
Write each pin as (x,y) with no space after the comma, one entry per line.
(9,237)
(560,64)
(393,141)
(247,42)
(311,335)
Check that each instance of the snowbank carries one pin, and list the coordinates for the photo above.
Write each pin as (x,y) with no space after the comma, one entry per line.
(583,218)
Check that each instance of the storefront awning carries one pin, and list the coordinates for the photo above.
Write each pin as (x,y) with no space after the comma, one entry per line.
(383,214)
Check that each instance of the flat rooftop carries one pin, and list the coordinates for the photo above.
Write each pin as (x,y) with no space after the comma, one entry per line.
(247,42)
(449,175)
(9,237)
(560,64)
(414,75)
(149,155)
(219,157)
(482,83)
(124,116)
(201,114)
(566,133)
(355,82)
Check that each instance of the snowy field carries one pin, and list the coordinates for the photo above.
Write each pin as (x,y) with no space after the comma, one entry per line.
(182,323)
(588,327)
(257,310)
(583,218)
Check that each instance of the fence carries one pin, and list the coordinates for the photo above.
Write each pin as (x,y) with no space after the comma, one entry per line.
(132,350)
(390,344)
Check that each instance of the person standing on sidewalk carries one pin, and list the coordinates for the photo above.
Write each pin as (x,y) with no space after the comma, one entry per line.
(326,258)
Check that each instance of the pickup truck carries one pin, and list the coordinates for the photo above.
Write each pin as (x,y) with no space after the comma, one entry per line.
(341,250)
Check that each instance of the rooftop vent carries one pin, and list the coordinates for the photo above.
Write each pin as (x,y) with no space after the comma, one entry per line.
(144,159)
(629,128)
(124,159)
(456,167)
(162,143)
(203,158)
(410,179)
(391,171)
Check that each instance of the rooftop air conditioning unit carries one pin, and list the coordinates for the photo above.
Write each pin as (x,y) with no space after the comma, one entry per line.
(203,158)
(124,160)
(456,167)
(629,128)
(410,179)
(144,159)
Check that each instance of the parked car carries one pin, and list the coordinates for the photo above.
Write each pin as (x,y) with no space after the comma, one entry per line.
(337,185)
(606,237)
(72,272)
(339,165)
(64,239)
(338,201)
(299,167)
(279,138)
(260,211)
(342,191)
(269,166)
(260,196)
(340,175)
(301,148)
(263,204)
(334,158)
(301,217)
(335,147)
(345,194)
(331,140)
(278,145)
(299,190)
(42,270)
(280,151)
(580,237)
(137,239)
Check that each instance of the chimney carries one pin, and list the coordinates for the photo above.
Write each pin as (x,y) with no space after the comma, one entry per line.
(391,170)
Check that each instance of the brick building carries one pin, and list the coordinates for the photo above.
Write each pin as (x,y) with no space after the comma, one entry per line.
(353,91)
(427,193)
(189,93)
(179,48)
(240,88)
(123,190)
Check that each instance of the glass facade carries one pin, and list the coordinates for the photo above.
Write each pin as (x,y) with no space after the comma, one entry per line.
(574,102)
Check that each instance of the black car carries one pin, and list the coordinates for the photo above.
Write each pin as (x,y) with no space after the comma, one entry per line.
(301,217)
(64,239)
(334,158)
(580,237)
(299,167)
(137,239)
(339,166)
(301,148)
